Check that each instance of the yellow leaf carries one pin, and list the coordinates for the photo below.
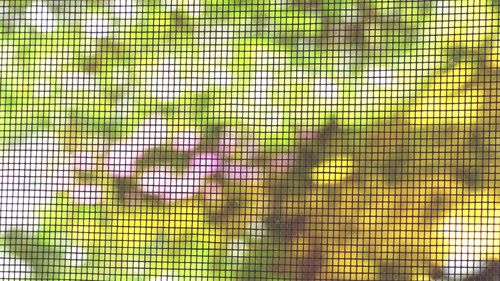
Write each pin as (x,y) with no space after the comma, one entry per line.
(133,228)
(493,58)
(461,109)
(465,23)
(446,102)
(347,262)
(331,171)
(452,80)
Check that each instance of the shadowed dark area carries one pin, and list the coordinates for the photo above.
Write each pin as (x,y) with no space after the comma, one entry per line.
(491,273)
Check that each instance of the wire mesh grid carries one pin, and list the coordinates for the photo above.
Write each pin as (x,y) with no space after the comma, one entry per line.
(249,140)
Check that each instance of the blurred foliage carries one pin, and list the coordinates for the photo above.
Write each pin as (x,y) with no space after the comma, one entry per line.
(412,93)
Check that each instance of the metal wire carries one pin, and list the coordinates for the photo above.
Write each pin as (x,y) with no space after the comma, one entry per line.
(249,140)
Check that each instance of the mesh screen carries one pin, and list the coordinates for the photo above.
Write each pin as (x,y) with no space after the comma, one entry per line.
(249,140)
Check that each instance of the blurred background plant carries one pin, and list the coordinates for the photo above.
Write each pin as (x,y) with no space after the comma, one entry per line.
(248,140)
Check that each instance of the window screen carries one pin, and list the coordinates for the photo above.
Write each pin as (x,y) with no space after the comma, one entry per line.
(247,140)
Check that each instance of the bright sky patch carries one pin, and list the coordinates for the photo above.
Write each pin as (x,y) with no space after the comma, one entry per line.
(326,88)
(39,16)
(166,82)
(124,9)
(30,173)
(42,88)
(13,268)
(96,26)
(75,256)
(6,56)
(79,82)
(379,76)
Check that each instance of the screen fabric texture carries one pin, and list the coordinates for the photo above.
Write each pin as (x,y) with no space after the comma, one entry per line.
(273,140)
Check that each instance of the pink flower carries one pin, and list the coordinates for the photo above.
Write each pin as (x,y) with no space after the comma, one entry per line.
(86,194)
(228,145)
(241,172)
(237,141)
(203,164)
(85,161)
(152,133)
(283,162)
(165,184)
(122,159)
(186,141)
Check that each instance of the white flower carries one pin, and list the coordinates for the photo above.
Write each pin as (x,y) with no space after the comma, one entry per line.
(85,194)
(186,141)
(30,173)
(460,266)
(162,182)
(237,249)
(120,78)
(193,8)
(376,84)
(219,76)
(257,230)
(12,268)
(272,116)
(214,44)
(85,160)
(207,75)
(122,157)
(165,183)
(267,61)
(51,62)
(121,161)
(152,132)
(39,16)
(446,9)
